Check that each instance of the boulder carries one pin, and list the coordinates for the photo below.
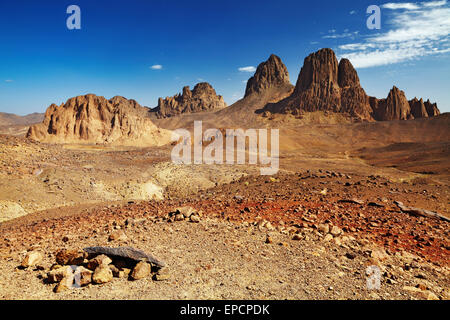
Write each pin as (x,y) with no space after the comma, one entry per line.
(100,260)
(102,274)
(32,258)
(70,257)
(141,270)
(58,274)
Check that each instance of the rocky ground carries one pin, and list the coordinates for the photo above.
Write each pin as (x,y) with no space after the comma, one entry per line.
(286,237)
(309,232)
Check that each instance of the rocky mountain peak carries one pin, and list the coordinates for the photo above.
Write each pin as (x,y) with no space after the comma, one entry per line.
(269,74)
(347,75)
(326,85)
(202,98)
(319,68)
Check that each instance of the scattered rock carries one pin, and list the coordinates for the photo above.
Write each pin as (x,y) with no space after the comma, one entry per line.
(85,276)
(32,258)
(102,274)
(58,274)
(70,257)
(141,270)
(420,212)
(162,275)
(297,237)
(194,218)
(336,231)
(100,260)
(324,228)
(117,235)
(354,201)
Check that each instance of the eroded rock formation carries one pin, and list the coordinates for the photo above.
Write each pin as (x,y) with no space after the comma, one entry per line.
(202,98)
(326,85)
(94,119)
(269,74)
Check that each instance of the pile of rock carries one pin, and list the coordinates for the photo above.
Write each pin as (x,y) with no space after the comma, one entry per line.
(97,265)
(184,214)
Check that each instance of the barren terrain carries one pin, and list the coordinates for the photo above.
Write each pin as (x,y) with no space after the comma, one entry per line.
(258,237)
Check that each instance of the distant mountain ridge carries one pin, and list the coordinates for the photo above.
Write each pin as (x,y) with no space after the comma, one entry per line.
(9,119)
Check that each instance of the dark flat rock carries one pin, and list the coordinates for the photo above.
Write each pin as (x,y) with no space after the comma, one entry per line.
(126,253)
(420,212)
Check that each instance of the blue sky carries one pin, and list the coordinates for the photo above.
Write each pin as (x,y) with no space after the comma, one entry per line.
(186,42)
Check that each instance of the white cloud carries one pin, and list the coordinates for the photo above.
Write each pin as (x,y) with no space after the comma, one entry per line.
(247,69)
(396,6)
(346,34)
(156,67)
(352,12)
(9,80)
(434,3)
(412,34)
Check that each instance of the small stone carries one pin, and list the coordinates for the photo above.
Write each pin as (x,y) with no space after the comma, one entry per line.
(335,231)
(70,257)
(141,270)
(55,266)
(31,259)
(186,211)
(269,239)
(421,286)
(115,271)
(297,237)
(323,228)
(65,239)
(328,238)
(378,254)
(60,287)
(124,272)
(391,281)
(102,274)
(337,241)
(178,217)
(350,255)
(58,274)
(432,296)
(162,275)
(85,276)
(117,235)
(194,218)
(100,260)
